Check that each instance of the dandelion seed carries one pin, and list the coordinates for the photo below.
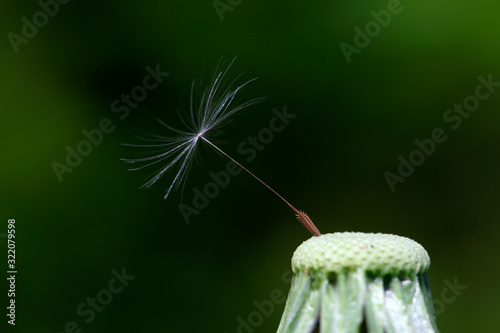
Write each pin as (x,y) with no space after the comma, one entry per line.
(213,110)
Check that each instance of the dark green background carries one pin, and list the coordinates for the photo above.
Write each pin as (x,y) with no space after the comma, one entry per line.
(353,120)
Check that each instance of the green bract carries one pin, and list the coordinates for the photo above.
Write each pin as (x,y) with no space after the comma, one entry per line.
(345,280)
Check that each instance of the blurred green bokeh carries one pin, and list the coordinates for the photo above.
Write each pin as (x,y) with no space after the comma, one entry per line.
(352,122)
